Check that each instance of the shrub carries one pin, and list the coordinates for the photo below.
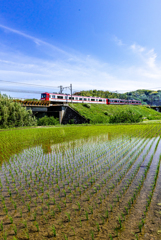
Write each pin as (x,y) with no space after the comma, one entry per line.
(86,105)
(71,121)
(12,114)
(98,119)
(125,117)
(106,113)
(45,121)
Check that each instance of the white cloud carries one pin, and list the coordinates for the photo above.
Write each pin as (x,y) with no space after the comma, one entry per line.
(148,56)
(34,39)
(118,41)
(137,48)
(84,72)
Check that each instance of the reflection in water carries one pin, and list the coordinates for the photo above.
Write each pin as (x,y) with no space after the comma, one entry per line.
(50,147)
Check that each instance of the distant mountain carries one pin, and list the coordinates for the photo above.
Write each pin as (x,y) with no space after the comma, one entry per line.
(145,96)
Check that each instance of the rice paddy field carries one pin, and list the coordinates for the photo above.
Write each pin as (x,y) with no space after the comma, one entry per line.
(88,182)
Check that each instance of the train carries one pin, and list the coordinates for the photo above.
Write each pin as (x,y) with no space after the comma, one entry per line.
(67,98)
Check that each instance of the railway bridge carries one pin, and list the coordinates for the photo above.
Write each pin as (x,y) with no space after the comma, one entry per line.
(63,112)
(157,108)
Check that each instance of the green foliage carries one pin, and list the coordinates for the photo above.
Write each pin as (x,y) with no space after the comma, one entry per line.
(45,121)
(97,112)
(86,105)
(71,121)
(12,114)
(145,96)
(125,117)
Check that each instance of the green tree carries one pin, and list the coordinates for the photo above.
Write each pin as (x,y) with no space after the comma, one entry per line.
(12,114)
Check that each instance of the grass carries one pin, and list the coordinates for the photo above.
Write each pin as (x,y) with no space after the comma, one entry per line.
(97,112)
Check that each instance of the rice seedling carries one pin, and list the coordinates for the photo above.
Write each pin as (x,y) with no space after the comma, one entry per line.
(53,230)
(86,215)
(80,223)
(26,234)
(92,235)
(25,223)
(1,225)
(79,207)
(65,237)
(37,226)
(5,235)
(15,229)
(98,227)
(68,215)
(110,236)
(111,207)
(10,218)
(59,207)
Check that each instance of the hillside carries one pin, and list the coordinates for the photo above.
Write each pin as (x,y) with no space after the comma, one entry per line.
(145,96)
(100,113)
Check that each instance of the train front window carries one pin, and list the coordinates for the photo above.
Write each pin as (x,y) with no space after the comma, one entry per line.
(43,95)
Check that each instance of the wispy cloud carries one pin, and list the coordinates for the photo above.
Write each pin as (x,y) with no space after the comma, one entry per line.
(148,56)
(37,41)
(118,41)
(84,71)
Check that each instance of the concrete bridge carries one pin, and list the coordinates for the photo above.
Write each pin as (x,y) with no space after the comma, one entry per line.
(64,113)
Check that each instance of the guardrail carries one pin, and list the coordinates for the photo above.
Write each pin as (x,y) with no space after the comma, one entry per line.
(33,103)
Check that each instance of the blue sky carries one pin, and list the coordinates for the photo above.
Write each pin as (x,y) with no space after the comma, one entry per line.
(94,44)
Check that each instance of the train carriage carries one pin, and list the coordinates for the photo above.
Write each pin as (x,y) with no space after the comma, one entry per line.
(66,98)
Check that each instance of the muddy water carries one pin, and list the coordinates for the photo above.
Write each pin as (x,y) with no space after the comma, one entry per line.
(70,186)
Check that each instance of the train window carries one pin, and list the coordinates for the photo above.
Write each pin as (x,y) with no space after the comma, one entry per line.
(76,98)
(88,99)
(53,96)
(100,100)
(92,99)
(85,99)
(97,100)
(72,98)
(80,98)
(60,97)
(43,95)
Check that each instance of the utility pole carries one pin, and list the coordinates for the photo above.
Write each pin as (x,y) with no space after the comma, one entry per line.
(71,91)
(62,88)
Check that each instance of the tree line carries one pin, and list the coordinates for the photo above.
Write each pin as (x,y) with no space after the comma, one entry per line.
(145,96)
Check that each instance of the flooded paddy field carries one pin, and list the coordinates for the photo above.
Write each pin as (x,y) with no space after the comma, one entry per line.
(105,185)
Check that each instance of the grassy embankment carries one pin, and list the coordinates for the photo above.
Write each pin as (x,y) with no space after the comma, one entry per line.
(101,113)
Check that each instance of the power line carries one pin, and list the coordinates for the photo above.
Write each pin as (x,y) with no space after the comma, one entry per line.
(20,91)
(27,84)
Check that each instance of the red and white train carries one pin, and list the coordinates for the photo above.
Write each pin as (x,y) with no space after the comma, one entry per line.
(66,98)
